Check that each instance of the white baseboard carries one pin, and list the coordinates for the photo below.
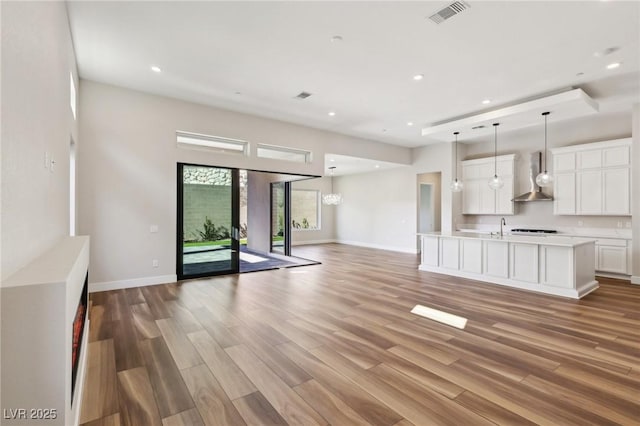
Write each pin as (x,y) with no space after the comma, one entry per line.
(130,283)
(379,246)
(310,242)
(635,279)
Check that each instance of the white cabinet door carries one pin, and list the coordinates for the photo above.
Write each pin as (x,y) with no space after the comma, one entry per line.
(487,198)
(429,251)
(471,197)
(556,266)
(591,159)
(611,259)
(564,162)
(496,258)
(450,253)
(616,192)
(523,264)
(471,255)
(589,191)
(504,195)
(564,195)
(616,156)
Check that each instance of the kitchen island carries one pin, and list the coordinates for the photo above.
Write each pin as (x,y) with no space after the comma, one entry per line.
(557,265)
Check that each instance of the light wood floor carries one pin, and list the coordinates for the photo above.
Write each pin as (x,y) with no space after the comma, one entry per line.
(335,344)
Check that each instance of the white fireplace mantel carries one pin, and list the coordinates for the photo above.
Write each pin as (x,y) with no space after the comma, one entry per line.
(39,304)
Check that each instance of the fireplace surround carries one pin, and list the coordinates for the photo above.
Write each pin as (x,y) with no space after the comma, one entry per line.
(42,305)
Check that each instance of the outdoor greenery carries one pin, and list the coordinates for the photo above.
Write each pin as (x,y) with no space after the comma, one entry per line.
(212,232)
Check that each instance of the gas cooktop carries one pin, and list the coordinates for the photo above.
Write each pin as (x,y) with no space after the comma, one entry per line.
(534,231)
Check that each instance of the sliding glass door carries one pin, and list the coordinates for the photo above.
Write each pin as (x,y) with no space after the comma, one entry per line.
(280,218)
(208,221)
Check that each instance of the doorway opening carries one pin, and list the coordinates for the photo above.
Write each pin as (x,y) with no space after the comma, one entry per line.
(429,202)
(233,221)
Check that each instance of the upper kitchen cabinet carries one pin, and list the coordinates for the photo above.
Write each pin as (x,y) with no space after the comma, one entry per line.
(478,197)
(593,179)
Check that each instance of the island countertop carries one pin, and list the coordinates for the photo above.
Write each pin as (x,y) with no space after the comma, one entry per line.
(549,240)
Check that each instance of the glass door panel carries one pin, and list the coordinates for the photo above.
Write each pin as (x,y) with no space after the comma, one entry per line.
(278,220)
(208,234)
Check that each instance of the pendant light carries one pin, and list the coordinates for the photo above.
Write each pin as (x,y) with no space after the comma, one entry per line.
(545,179)
(456,185)
(332,198)
(496,181)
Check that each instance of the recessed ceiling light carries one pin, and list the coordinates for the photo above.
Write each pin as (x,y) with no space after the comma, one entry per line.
(613,65)
(486,101)
(332,160)
(418,77)
(384,130)
(332,113)
(336,39)
(377,166)
(409,123)
(155,68)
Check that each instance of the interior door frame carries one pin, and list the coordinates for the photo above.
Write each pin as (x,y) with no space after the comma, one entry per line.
(235,223)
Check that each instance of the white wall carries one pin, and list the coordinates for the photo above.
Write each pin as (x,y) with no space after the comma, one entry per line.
(326,233)
(127,171)
(524,142)
(379,209)
(259,209)
(37,57)
(635,195)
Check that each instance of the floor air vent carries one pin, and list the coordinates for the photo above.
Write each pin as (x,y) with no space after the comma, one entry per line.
(449,11)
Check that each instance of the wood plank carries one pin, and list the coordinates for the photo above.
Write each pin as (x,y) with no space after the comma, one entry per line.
(100,394)
(155,302)
(328,405)
(214,406)
(181,348)
(288,403)
(100,326)
(186,418)
(231,378)
(134,296)
(288,371)
(220,333)
(368,407)
(144,322)
(112,420)
(137,404)
(183,317)
(256,410)
(170,391)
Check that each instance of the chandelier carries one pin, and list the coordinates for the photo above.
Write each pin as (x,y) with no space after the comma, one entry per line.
(332,199)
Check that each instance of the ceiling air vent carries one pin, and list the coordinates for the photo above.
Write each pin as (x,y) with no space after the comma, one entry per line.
(303,95)
(446,13)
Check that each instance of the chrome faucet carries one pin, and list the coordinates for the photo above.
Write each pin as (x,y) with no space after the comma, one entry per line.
(502,222)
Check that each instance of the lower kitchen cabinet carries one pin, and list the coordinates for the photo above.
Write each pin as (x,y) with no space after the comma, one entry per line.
(523,262)
(612,256)
(496,259)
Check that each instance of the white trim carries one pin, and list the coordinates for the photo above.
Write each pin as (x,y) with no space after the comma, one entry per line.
(133,282)
(310,242)
(635,279)
(379,246)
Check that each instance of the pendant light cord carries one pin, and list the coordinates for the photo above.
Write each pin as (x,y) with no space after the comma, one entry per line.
(495,150)
(545,141)
(456,154)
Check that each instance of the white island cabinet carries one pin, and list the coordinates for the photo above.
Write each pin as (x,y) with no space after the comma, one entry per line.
(562,266)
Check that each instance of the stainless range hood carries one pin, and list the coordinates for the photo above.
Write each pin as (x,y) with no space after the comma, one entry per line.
(535,193)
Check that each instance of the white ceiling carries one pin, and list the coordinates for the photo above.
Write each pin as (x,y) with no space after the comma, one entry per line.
(254,57)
